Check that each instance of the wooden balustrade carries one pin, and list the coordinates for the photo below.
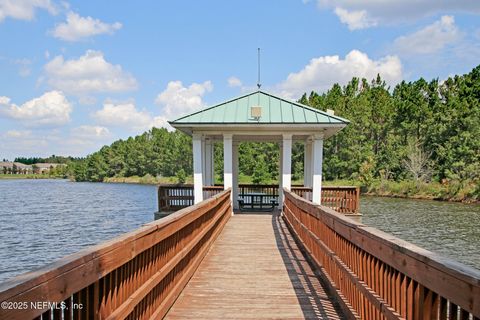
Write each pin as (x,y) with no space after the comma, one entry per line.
(135,276)
(378,276)
(174,197)
(343,199)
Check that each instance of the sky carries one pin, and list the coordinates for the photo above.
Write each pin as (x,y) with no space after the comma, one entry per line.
(77,75)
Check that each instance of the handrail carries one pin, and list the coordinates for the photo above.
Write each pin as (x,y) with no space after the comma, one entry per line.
(137,275)
(379,276)
(343,199)
(173,197)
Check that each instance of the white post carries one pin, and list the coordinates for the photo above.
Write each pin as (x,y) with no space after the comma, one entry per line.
(317,169)
(307,164)
(235,174)
(227,161)
(208,162)
(287,161)
(280,184)
(204,176)
(197,168)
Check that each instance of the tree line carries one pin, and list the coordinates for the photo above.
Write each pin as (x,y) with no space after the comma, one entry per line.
(419,130)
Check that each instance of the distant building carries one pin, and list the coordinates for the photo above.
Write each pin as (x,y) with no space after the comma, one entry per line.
(39,168)
(23,168)
(7,167)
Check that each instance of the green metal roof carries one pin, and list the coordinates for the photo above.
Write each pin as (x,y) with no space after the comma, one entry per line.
(275,110)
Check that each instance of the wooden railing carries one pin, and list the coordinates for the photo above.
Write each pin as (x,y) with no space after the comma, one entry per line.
(135,276)
(173,197)
(341,199)
(378,276)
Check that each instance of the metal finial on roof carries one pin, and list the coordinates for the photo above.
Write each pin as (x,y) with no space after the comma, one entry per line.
(258,82)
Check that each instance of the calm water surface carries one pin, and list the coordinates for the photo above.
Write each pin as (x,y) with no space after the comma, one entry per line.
(43,220)
(450,229)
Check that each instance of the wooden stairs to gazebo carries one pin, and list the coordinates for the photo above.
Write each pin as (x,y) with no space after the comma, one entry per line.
(202,262)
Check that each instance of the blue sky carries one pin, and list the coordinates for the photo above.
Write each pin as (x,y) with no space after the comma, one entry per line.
(78,75)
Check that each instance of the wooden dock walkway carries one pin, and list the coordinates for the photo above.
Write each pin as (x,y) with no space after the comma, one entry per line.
(203,263)
(254,270)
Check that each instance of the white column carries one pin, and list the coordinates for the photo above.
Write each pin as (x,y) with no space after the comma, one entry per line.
(204,176)
(307,164)
(287,161)
(227,161)
(317,169)
(197,168)
(235,174)
(280,182)
(208,162)
(286,167)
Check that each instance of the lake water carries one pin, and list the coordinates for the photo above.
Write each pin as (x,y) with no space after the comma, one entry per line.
(44,220)
(448,228)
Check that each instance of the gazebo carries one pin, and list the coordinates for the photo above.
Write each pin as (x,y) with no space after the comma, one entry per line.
(262,117)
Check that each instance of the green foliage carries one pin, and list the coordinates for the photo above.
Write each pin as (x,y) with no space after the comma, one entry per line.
(181,176)
(425,131)
(260,174)
(445,117)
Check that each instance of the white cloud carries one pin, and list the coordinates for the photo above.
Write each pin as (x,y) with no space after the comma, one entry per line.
(24,9)
(50,109)
(17,134)
(90,132)
(178,100)
(24,67)
(234,82)
(430,39)
(78,28)
(355,19)
(78,141)
(124,115)
(322,72)
(90,73)
(397,11)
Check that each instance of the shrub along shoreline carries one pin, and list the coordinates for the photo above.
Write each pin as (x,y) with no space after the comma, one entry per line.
(451,191)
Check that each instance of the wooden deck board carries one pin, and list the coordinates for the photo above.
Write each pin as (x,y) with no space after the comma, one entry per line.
(254,271)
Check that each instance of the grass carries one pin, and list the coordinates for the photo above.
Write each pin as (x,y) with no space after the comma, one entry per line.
(147,179)
(451,191)
(27,176)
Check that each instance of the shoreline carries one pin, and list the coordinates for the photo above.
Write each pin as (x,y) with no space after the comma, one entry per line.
(379,190)
(27,176)
(420,197)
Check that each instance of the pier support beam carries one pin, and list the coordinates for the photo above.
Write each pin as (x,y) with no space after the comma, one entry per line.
(317,168)
(197,168)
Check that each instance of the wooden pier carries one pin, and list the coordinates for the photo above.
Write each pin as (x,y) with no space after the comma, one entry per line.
(203,262)
(255,271)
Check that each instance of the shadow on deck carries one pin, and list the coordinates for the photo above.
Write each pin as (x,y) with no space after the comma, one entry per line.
(255,270)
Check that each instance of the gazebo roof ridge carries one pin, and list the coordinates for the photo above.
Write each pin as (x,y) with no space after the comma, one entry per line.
(209,112)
